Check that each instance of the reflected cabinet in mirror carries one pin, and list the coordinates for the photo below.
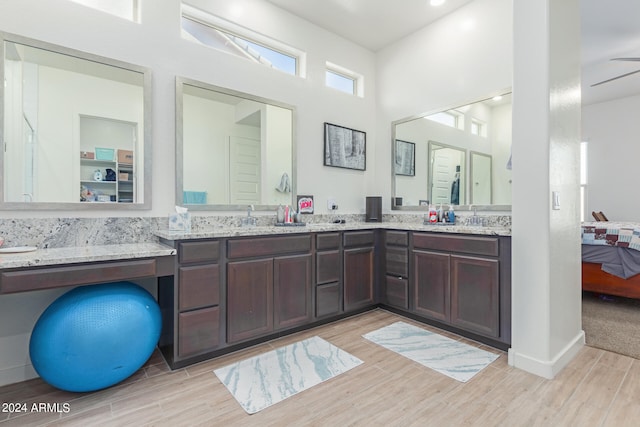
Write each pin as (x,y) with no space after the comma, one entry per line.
(233,149)
(459,156)
(76,129)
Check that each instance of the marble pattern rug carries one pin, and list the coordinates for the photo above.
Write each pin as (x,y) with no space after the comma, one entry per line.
(266,379)
(457,360)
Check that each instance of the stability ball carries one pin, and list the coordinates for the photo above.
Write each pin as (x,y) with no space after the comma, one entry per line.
(95,336)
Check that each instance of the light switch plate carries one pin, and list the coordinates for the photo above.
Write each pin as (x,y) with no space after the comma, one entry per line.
(555,203)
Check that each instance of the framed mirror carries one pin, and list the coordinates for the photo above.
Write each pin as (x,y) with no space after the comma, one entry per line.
(445,145)
(76,128)
(233,149)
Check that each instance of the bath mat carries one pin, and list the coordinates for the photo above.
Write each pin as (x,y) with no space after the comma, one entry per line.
(449,357)
(261,381)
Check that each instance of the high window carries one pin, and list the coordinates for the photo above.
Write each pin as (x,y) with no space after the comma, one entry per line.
(451,118)
(127,9)
(344,80)
(223,35)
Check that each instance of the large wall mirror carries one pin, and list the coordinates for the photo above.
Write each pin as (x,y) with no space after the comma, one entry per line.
(233,149)
(459,156)
(76,129)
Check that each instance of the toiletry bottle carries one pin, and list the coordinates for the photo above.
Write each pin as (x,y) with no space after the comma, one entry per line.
(451,215)
(440,214)
(433,214)
(280,215)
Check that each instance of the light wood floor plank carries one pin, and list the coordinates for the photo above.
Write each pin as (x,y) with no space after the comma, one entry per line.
(597,388)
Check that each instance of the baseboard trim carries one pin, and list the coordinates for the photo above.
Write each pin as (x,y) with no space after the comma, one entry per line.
(547,369)
(17,374)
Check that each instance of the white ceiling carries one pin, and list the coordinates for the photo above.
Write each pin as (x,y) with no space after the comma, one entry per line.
(610,28)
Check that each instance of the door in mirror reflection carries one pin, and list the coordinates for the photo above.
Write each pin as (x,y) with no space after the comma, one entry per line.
(74,127)
(447,174)
(481,182)
(235,150)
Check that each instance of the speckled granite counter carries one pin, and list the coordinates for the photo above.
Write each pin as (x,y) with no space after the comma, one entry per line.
(227,231)
(81,254)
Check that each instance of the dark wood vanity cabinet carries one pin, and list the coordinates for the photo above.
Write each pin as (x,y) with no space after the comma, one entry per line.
(396,278)
(328,278)
(198,297)
(463,281)
(268,285)
(359,269)
(231,292)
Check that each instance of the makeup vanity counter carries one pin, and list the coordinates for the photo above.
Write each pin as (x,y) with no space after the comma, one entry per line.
(237,286)
(72,266)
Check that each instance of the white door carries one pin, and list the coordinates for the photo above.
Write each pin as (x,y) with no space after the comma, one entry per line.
(444,168)
(244,171)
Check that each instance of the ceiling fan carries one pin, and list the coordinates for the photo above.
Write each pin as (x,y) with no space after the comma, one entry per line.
(620,76)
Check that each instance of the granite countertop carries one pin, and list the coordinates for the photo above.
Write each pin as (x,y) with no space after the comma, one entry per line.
(78,254)
(230,231)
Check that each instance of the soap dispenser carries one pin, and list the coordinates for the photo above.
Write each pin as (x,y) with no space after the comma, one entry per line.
(451,215)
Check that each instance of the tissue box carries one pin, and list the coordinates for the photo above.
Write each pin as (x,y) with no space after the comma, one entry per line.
(180,222)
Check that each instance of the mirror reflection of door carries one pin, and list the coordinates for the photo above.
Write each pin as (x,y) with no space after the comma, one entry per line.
(447,175)
(481,179)
(244,171)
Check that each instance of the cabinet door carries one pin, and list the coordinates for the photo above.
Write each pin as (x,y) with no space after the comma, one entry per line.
(291,291)
(249,299)
(431,285)
(475,290)
(358,278)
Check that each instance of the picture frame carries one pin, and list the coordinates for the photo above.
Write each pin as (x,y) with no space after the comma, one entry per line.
(344,147)
(405,159)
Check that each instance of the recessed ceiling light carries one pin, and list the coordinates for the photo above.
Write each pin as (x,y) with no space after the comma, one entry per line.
(497,98)
(437,2)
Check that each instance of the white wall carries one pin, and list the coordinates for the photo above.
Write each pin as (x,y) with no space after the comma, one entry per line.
(440,67)
(612,132)
(156,43)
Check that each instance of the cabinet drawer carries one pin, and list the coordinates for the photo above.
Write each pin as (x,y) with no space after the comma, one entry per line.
(328,267)
(328,299)
(449,243)
(397,261)
(359,238)
(198,331)
(397,292)
(268,246)
(397,238)
(199,286)
(198,251)
(328,241)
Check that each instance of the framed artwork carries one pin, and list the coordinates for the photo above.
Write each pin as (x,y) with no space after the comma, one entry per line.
(344,147)
(405,158)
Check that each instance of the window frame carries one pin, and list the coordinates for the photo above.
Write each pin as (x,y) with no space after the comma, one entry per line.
(228,28)
(357,79)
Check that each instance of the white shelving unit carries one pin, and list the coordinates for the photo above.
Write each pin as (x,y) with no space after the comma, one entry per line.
(110,134)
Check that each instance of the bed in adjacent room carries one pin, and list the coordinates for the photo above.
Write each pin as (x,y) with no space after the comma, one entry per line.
(611,258)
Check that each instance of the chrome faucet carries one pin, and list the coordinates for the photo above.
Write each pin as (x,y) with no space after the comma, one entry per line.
(249,221)
(29,196)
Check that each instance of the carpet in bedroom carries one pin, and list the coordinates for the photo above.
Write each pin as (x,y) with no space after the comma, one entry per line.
(612,323)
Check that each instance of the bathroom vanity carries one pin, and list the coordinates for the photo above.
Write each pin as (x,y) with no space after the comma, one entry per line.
(234,288)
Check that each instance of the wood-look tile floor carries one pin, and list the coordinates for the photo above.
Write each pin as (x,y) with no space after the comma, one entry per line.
(598,388)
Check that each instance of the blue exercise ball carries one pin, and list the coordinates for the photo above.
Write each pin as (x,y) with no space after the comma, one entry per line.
(95,336)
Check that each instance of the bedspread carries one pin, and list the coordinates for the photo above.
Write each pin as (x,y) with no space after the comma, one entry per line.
(620,234)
